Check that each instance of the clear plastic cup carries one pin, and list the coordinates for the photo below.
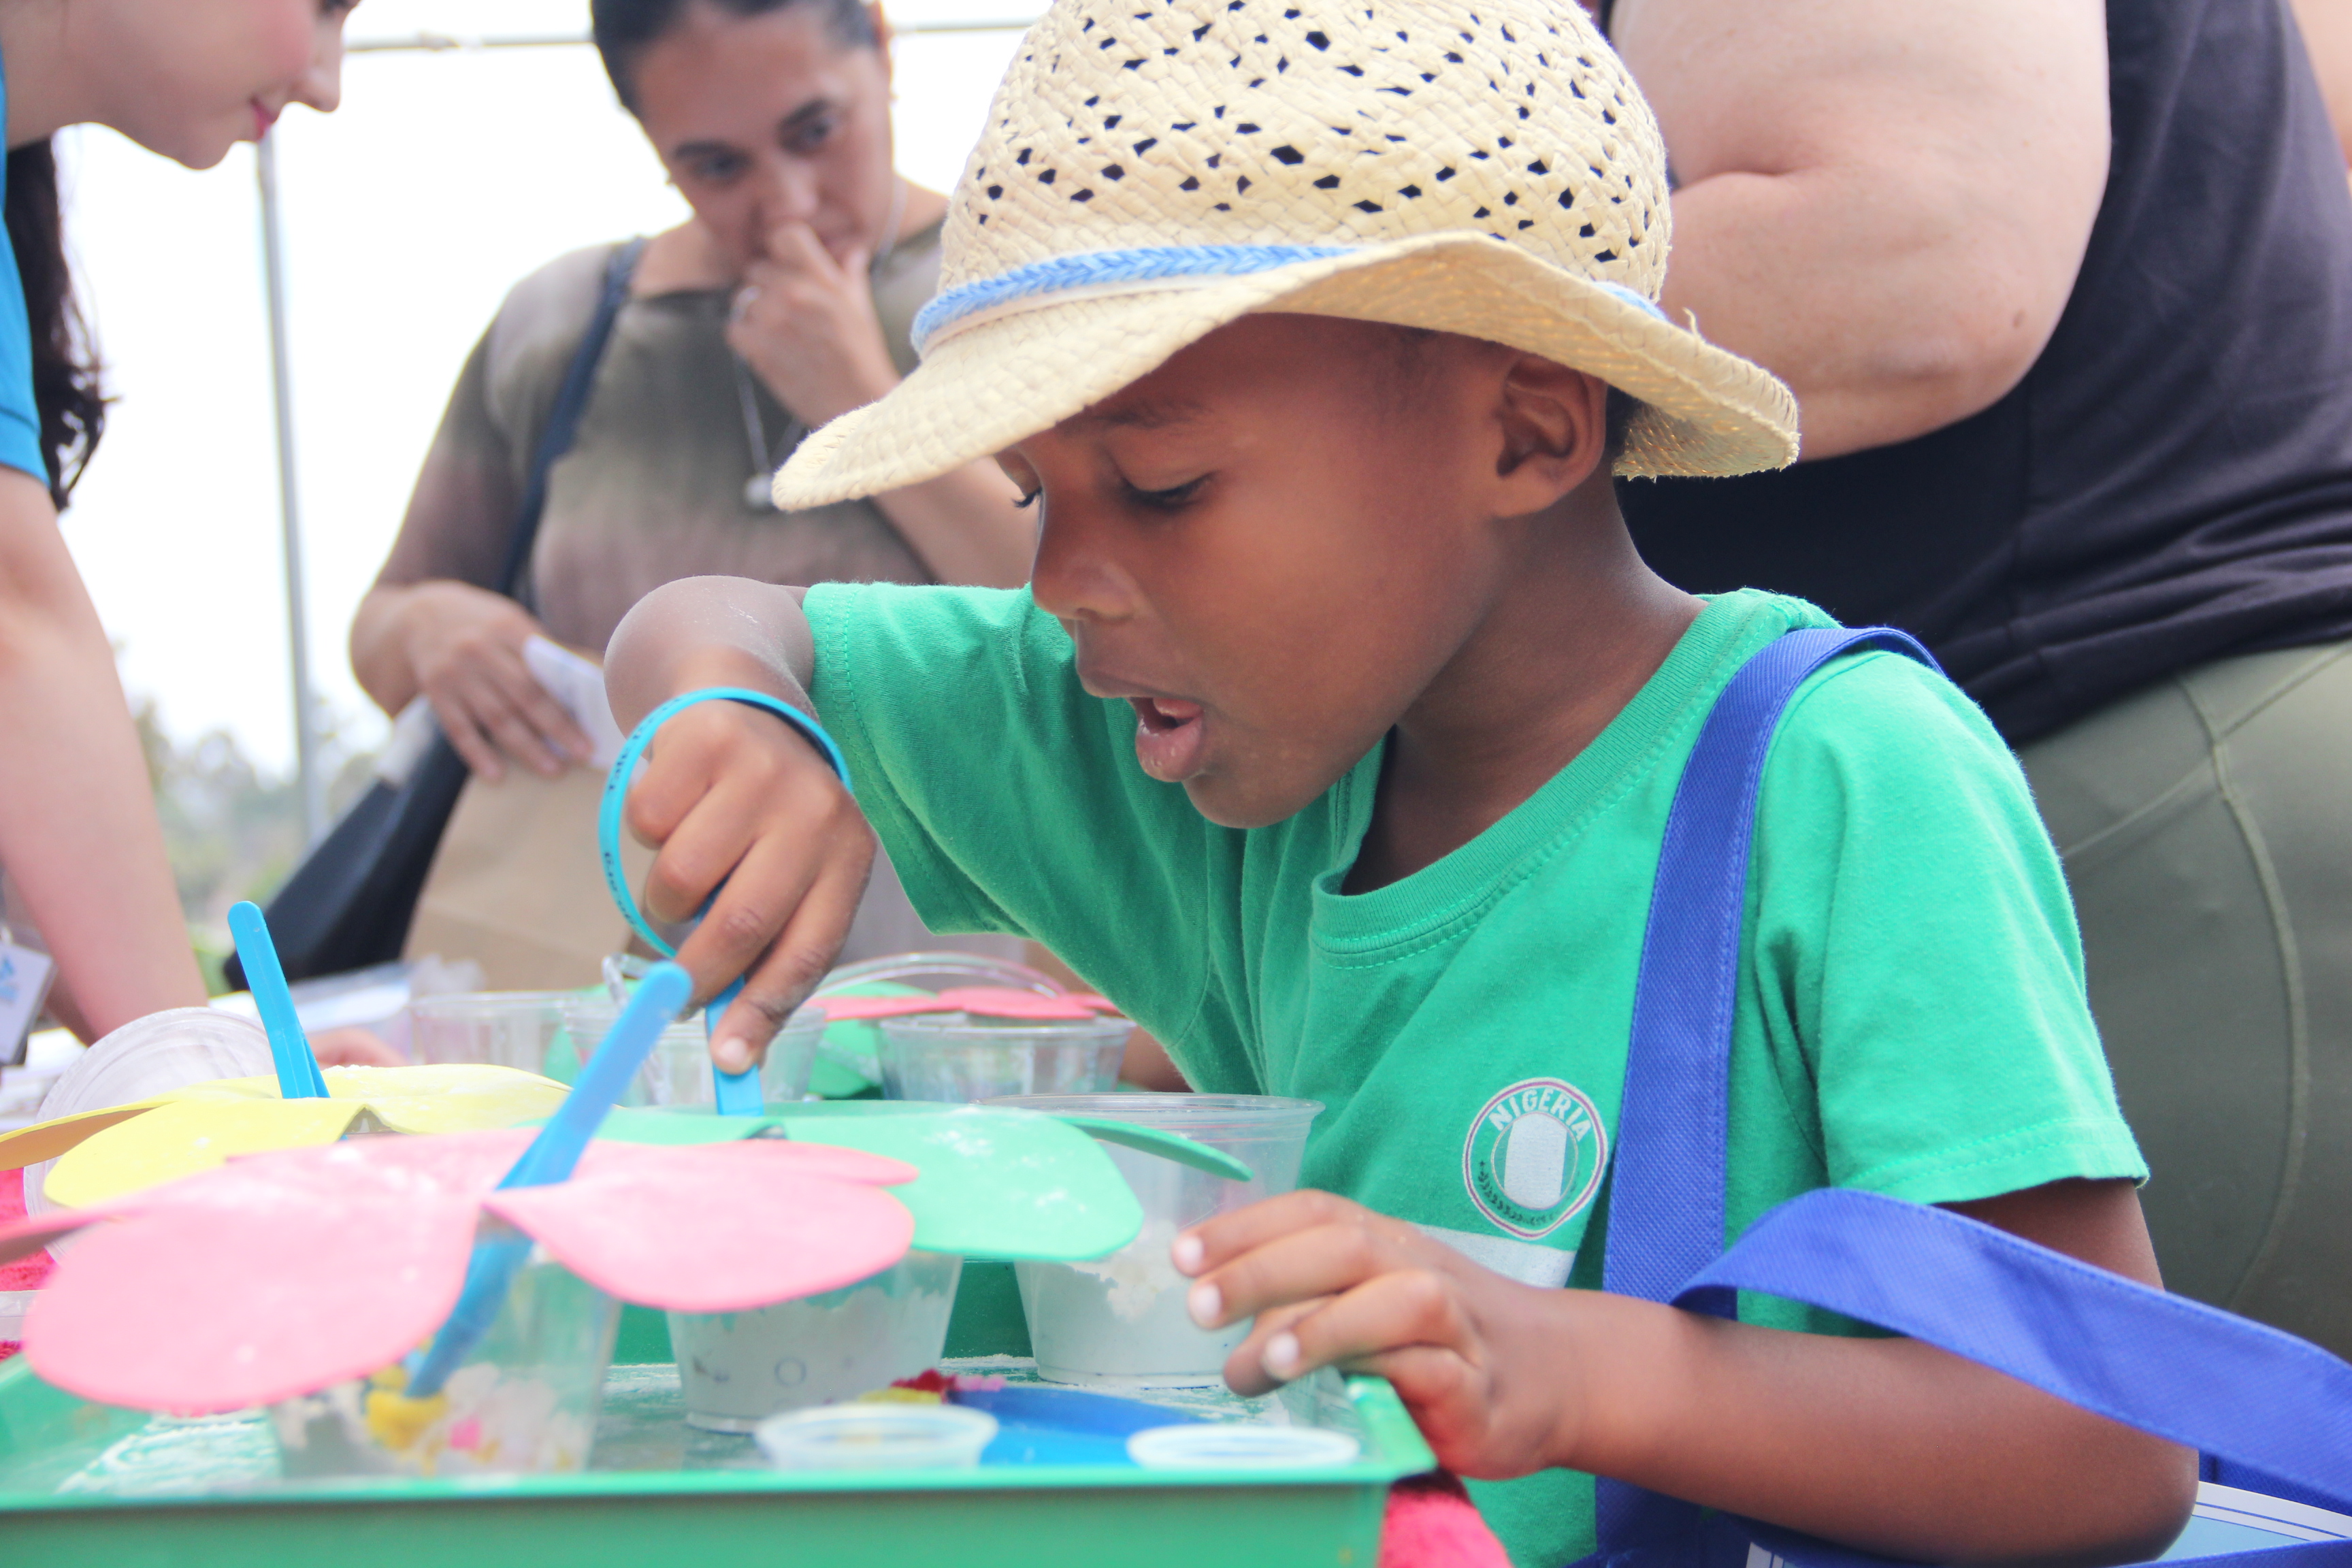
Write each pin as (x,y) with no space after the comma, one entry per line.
(739,1368)
(856,1043)
(1120,1321)
(678,1072)
(524,1402)
(963,1059)
(877,1437)
(501,1028)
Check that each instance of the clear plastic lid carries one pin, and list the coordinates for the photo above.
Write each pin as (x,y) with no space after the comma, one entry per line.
(875,1438)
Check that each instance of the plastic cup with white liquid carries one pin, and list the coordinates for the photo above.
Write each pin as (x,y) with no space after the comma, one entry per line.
(963,1059)
(523,1402)
(1120,1321)
(678,1071)
(499,1028)
(739,1368)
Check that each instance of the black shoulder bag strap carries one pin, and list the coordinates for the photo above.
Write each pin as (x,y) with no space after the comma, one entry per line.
(349,902)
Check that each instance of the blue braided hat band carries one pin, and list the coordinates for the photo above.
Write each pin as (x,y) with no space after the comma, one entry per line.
(1152,267)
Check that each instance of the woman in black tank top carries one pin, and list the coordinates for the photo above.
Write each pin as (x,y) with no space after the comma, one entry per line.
(2136,555)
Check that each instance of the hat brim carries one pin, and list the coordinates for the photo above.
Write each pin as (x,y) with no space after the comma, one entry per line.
(994,382)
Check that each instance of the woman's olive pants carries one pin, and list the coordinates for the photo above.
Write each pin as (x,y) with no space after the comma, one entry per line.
(2206,824)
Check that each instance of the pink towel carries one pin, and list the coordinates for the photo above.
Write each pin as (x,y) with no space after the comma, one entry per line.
(1432,1524)
(25,1273)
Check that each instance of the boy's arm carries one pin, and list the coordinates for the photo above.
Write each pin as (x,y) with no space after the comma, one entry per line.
(733,795)
(1888,1444)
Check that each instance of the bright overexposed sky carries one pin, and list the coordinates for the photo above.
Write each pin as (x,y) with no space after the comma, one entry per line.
(444,179)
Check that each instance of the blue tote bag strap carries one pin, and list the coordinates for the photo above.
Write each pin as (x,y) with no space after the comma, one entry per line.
(2249,1397)
(1666,1197)
(1665,1188)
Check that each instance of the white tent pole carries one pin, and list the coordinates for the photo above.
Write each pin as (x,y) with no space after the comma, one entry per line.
(311,784)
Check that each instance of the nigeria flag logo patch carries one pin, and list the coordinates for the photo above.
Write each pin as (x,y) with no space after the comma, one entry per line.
(1534,1156)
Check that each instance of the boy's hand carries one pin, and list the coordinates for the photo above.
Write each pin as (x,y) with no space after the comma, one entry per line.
(805,324)
(734,795)
(1488,1367)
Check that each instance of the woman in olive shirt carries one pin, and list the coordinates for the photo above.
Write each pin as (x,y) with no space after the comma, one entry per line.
(785,300)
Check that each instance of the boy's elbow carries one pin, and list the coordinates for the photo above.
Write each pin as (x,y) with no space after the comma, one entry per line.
(733,623)
(2139,1505)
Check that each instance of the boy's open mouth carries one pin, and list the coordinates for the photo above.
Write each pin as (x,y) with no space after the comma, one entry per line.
(1167,737)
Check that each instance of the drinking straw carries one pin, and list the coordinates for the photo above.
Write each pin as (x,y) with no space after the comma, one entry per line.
(550,1159)
(298,1069)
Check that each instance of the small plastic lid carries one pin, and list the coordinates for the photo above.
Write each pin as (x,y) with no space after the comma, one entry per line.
(924,1030)
(876,1437)
(1232,1445)
(1203,1116)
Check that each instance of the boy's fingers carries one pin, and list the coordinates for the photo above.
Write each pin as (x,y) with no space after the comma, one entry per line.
(762,889)
(700,826)
(1216,1242)
(1293,1257)
(1245,1367)
(702,851)
(796,963)
(1324,1261)
(1407,1307)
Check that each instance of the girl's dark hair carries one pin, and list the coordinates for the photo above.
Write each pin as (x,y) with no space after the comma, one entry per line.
(624,29)
(65,387)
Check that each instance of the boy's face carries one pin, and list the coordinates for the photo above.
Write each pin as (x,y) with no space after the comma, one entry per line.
(1275,546)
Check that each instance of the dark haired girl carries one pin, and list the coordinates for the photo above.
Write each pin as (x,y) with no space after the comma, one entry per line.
(78,830)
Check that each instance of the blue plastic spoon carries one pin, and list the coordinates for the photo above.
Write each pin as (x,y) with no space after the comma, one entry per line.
(298,1069)
(550,1159)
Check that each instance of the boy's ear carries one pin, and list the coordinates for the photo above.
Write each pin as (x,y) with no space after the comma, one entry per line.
(1554,427)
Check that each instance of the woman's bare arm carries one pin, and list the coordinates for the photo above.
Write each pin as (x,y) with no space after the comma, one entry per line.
(2326,28)
(966,526)
(429,627)
(78,825)
(1885,205)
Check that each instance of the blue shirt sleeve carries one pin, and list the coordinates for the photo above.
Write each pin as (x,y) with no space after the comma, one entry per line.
(20,418)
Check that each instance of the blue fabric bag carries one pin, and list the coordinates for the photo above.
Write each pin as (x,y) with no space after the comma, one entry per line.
(2271,1413)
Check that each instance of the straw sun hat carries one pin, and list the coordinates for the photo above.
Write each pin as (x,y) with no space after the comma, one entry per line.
(1154,169)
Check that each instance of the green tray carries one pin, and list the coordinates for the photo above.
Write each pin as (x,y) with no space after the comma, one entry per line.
(662,1493)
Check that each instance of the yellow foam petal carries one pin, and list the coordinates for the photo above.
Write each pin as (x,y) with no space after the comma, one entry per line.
(455,1096)
(207,1123)
(183,1138)
(48,1139)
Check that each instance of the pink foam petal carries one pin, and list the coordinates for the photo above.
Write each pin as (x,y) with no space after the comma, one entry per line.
(1090,999)
(198,1307)
(677,1240)
(456,1163)
(23,1237)
(745,1160)
(842,1009)
(1002,1002)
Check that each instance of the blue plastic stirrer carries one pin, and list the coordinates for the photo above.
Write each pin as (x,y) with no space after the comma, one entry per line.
(550,1159)
(298,1069)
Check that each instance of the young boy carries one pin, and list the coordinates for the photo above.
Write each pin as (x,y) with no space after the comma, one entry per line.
(1314,332)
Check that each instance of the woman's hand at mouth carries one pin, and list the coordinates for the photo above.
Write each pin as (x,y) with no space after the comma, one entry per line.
(805,324)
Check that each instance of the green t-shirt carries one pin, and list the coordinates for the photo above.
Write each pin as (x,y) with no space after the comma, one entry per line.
(1911,1015)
